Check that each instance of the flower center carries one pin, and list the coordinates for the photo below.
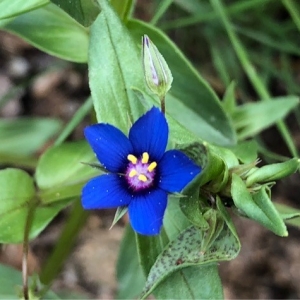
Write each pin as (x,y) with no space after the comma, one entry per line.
(140,173)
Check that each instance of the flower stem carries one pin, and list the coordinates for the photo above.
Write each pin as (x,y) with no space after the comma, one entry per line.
(76,119)
(162,8)
(64,245)
(29,220)
(163,105)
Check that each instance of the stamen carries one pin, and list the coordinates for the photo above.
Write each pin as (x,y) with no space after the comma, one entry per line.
(152,166)
(142,177)
(145,158)
(132,173)
(132,158)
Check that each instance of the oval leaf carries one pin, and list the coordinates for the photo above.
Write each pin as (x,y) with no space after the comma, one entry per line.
(257,207)
(70,172)
(197,282)
(24,136)
(10,8)
(186,250)
(111,83)
(11,285)
(249,119)
(53,31)
(83,11)
(17,190)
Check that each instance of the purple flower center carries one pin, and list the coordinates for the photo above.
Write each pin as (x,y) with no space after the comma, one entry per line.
(140,173)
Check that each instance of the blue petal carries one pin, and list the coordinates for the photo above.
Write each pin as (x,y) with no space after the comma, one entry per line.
(176,170)
(105,191)
(110,145)
(146,212)
(150,134)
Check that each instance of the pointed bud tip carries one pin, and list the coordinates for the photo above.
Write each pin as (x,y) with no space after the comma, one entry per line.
(156,71)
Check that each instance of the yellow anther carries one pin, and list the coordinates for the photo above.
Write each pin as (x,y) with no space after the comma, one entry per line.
(145,158)
(132,173)
(132,158)
(142,177)
(152,166)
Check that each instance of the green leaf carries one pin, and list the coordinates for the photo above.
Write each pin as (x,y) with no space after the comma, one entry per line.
(131,278)
(228,221)
(249,119)
(176,225)
(280,43)
(60,173)
(197,152)
(225,154)
(246,151)
(175,220)
(192,209)
(257,207)
(83,11)
(289,214)
(111,83)
(190,101)
(229,101)
(10,8)
(120,212)
(189,203)
(197,282)
(17,190)
(123,8)
(118,88)
(179,135)
(151,247)
(53,31)
(112,40)
(25,136)
(191,6)
(11,284)
(214,168)
(186,250)
(273,172)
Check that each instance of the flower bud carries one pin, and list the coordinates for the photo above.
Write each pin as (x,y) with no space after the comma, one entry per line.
(156,71)
(273,172)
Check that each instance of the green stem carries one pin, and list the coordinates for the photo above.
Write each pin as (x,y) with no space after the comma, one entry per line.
(251,72)
(163,105)
(64,245)
(77,118)
(29,220)
(162,8)
(293,10)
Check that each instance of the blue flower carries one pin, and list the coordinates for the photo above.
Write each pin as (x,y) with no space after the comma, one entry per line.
(140,172)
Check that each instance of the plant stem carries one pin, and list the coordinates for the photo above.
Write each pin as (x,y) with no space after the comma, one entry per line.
(64,245)
(29,220)
(251,72)
(292,9)
(76,119)
(163,105)
(162,8)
